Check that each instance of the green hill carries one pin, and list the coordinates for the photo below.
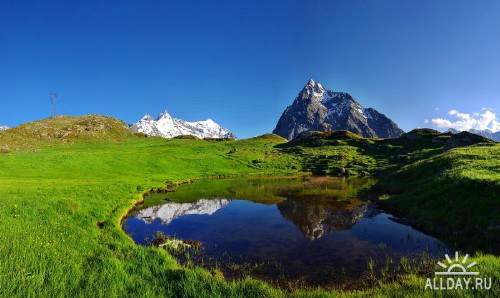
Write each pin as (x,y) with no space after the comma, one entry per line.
(452,193)
(342,153)
(61,204)
(64,129)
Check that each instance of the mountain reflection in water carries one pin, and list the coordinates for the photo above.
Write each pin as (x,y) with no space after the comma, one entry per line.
(167,212)
(313,230)
(315,219)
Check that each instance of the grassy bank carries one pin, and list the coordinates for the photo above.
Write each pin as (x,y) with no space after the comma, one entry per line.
(453,193)
(423,176)
(52,200)
(62,197)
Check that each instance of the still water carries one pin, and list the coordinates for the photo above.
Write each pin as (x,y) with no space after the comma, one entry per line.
(313,231)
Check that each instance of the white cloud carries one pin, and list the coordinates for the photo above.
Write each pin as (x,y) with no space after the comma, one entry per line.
(486,119)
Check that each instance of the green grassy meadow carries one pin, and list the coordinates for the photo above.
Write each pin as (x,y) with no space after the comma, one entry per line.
(64,192)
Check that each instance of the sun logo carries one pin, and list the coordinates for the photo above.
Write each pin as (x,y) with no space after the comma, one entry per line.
(457,266)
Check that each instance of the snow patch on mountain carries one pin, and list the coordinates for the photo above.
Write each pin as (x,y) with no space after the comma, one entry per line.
(167,126)
(2,127)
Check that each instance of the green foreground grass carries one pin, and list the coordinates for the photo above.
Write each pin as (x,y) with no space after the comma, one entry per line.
(61,206)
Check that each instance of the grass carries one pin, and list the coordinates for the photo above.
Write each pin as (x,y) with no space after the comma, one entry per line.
(63,194)
(52,200)
(455,192)
(63,129)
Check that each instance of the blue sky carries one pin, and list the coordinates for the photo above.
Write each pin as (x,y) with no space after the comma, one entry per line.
(242,62)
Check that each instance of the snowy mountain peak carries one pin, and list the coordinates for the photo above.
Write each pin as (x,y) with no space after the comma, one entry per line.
(312,91)
(2,128)
(164,115)
(147,117)
(167,126)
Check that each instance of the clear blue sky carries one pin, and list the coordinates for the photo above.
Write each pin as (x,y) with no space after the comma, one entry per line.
(242,62)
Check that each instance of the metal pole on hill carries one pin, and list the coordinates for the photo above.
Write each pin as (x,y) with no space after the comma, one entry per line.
(53,99)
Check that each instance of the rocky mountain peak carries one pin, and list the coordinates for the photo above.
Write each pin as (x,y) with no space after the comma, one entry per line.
(317,87)
(317,108)
(312,90)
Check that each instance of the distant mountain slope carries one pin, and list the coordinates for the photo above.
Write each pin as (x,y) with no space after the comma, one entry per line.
(495,136)
(2,127)
(168,127)
(319,109)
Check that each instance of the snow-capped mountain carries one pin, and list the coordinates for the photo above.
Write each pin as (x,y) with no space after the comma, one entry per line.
(316,108)
(166,213)
(2,128)
(495,136)
(168,127)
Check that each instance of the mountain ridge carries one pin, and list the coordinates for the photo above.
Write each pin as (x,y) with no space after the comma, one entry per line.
(167,126)
(320,109)
(495,136)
